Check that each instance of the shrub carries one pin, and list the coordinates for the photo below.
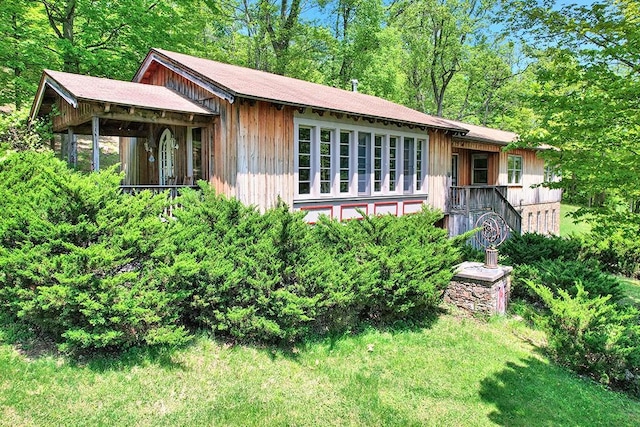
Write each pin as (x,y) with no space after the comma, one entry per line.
(240,271)
(73,254)
(18,134)
(529,248)
(616,253)
(400,266)
(561,274)
(593,337)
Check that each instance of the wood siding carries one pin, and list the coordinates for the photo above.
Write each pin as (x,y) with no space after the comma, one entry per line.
(439,171)
(532,175)
(264,152)
(249,148)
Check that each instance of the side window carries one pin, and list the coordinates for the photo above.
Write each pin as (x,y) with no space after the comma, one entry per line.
(514,169)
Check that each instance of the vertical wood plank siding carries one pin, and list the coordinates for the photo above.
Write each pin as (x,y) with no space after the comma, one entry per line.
(439,173)
(532,174)
(264,153)
(248,148)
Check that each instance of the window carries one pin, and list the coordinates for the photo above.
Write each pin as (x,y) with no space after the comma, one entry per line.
(344,161)
(393,163)
(304,160)
(480,169)
(196,144)
(364,162)
(408,161)
(345,175)
(325,161)
(454,170)
(549,173)
(514,170)
(377,164)
(419,164)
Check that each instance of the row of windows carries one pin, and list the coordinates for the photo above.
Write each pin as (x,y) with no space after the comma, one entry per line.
(347,162)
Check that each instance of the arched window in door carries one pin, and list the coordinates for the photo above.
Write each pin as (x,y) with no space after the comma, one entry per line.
(166,156)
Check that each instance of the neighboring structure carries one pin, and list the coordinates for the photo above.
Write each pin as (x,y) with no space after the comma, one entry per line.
(259,137)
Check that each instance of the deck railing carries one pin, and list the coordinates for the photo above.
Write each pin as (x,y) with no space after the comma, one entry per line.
(173,191)
(470,199)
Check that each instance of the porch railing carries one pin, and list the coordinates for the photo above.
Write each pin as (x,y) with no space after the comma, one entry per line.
(470,199)
(173,191)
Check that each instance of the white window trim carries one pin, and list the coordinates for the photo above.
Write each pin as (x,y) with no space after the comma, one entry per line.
(337,128)
(519,183)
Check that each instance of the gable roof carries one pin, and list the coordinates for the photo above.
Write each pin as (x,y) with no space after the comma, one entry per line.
(236,81)
(76,87)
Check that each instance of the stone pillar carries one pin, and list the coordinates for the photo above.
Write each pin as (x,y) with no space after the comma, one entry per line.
(478,289)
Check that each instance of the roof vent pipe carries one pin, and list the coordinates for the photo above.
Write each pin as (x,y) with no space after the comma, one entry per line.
(354,85)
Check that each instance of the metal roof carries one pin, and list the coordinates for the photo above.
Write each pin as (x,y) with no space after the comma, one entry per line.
(254,84)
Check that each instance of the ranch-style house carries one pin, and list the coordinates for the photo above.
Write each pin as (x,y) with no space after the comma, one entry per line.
(258,137)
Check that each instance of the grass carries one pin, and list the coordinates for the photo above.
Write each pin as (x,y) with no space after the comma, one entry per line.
(458,372)
(631,290)
(569,225)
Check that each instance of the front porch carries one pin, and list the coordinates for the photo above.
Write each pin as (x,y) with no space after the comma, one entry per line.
(165,139)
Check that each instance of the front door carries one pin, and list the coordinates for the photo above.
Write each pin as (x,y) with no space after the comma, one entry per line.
(166,154)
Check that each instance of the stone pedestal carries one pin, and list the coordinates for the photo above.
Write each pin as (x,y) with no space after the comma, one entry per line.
(478,289)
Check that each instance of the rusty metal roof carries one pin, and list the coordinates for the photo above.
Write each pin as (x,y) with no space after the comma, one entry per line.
(254,84)
(79,87)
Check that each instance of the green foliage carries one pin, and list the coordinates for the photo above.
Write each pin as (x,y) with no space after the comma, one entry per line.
(617,252)
(400,266)
(272,278)
(593,337)
(530,248)
(558,274)
(239,271)
(73,254)
(16,133)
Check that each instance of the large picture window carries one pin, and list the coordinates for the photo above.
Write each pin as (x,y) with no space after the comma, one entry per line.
(349,161)
(514,169)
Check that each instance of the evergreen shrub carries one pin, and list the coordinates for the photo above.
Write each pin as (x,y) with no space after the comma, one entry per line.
(96,269)
(593,336)
(399,267)
(73,254)
(530,248)
(561,274)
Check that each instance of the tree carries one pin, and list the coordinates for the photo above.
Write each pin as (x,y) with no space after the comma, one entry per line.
(102,37)
(23,51)
(588,100)
(437,35)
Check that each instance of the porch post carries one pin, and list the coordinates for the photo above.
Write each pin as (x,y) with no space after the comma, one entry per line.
(72,148)
(95,128)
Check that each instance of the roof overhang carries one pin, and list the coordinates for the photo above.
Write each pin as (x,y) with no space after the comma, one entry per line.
(164,106)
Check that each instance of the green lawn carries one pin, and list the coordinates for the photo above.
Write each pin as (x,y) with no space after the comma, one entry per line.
(631,289)
(459,372)
(569,225)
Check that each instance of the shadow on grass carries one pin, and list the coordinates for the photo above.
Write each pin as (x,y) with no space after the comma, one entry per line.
(533,392)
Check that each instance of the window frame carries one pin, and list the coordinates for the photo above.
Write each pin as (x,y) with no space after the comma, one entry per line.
(338,129)
(520,177)
(473,168)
